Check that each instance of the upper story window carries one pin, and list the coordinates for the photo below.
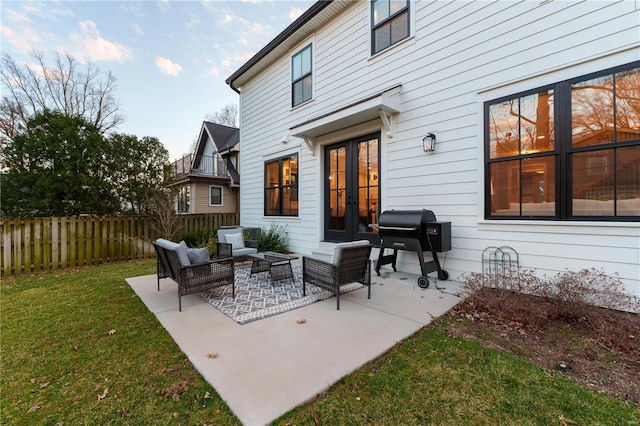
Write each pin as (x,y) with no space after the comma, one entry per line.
(389,23)
(301,77)
(570,150)
(215,196)
(281,186)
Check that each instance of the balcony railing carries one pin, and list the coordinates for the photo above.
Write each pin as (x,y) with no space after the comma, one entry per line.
(210,165)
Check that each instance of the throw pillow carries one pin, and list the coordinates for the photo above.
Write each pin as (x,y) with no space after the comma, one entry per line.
(183,257)
(236,240)
(198,256)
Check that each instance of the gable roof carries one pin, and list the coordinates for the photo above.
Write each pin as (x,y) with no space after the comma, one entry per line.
(315,17)
(224,137)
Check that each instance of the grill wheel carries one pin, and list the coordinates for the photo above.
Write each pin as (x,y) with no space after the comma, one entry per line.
(423,282)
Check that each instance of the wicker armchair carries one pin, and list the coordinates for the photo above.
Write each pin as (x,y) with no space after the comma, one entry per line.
(240,249)
(192,278)
(350,263)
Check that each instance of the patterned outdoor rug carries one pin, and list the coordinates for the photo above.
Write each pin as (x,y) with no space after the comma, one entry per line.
(257,298)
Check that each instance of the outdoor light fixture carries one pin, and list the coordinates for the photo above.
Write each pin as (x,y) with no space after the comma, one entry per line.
(429,143)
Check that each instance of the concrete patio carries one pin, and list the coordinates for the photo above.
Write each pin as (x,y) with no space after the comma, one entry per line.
(267,367)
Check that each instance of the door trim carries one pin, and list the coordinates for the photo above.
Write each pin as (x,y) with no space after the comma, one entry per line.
(353,229)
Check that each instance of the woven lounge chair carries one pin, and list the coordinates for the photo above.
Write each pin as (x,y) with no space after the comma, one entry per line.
(350,263)
(232,243)
(173,262)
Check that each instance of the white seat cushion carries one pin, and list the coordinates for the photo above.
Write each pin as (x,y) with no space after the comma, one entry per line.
(179,248)
(340,246)
(169,245)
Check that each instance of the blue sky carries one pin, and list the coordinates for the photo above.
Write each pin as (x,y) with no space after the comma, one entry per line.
(170,58)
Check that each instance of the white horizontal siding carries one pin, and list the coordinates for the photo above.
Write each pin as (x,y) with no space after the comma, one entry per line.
(463,54)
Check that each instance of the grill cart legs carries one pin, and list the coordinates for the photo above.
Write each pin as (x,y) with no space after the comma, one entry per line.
(425,267)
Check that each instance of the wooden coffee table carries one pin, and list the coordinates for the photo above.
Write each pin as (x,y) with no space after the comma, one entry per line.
(277,264)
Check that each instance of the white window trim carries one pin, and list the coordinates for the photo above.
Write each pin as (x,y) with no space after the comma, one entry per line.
(221,196)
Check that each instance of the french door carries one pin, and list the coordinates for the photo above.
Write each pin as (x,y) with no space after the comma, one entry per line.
(352,189)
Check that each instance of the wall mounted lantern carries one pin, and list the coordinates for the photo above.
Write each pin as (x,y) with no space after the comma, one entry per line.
(429,143)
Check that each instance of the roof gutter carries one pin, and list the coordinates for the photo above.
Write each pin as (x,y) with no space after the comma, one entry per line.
(316,8)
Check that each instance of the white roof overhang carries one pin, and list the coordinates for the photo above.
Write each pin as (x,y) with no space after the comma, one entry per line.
(384,105)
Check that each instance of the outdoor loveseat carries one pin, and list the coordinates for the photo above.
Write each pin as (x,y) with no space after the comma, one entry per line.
(192,269)
(350,263)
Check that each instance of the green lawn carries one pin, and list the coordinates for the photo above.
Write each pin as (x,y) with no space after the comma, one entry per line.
(79,347)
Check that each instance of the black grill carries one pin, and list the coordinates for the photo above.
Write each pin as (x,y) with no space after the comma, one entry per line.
(414,230)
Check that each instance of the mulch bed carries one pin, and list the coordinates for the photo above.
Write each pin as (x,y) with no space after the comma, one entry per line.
(599,348)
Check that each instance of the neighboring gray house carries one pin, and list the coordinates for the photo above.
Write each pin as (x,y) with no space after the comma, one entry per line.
(208,180)
(535,106)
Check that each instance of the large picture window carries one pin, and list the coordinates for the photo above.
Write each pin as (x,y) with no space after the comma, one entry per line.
(281,186)
(389,23)
(301,77)
(567,151)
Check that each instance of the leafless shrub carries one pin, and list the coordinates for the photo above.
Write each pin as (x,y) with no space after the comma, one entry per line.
(570,296)
(167,223)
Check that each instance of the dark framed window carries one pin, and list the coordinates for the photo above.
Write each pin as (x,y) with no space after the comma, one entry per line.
(281,186)
(389,23)
(301,77)
(567,151)
(184,200)
(215,196)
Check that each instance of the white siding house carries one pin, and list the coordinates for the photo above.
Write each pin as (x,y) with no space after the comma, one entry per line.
(334,110)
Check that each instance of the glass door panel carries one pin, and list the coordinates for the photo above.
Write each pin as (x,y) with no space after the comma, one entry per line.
(337,188)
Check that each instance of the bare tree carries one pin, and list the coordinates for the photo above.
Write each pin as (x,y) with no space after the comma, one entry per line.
(163,205)
(227,116)
(30,89)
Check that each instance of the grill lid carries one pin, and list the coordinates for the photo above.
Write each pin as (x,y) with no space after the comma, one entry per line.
(405,219)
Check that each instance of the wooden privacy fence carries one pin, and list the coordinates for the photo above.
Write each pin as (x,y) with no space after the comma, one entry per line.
(41,244)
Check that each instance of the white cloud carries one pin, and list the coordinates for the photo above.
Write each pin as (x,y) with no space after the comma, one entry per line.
(168,67)
(130,9)
(48,10)
(294,13)
(36,68)
(164,5)
(23,41)
(259,30)
(15,16)
(136,29)
(90,45)
(214,71)
(231,61)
